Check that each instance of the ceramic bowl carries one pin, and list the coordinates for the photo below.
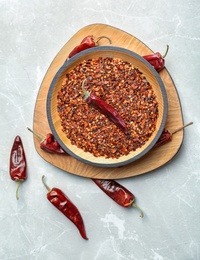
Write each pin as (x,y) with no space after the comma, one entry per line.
(114,52)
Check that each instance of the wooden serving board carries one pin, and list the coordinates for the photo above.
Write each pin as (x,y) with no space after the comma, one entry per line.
(153,159)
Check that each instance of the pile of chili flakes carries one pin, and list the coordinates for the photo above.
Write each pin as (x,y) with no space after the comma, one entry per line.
(121,85)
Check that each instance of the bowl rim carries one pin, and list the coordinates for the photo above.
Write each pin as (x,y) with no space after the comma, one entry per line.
(163,120)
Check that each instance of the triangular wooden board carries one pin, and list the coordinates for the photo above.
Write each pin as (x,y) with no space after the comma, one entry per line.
(155,158)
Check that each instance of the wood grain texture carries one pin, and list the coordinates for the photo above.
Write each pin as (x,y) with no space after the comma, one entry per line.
(155,158)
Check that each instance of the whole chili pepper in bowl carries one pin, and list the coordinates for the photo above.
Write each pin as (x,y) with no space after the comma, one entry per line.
(49,143)
(65,205)
(104,108)
(118,193)
(18,165)
(166,136)
(88,42)
(157,60)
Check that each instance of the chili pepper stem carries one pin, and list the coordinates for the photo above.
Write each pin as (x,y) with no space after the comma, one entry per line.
(85,92)
(166,52)
(17,190)
(47,187)
(135,206)
(101,37)
(39,136)
(180,128)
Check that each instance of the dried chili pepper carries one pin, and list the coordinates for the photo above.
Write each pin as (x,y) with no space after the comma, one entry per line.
(105,108)
(88,42)
(64,205)
(18,163)
(118,193)
(166,136)
(157,60)
(49,143)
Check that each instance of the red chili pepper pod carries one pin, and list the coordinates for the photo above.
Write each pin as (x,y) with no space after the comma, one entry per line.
(49,143)
(166,136)
(18,163)
(64,205)
(105,108)
(157,60)
(88,42)
(118,193)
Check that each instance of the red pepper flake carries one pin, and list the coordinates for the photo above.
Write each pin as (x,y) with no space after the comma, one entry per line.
(18,164)
(114,83)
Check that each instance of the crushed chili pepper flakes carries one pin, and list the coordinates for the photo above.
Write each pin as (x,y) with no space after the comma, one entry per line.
(122,86)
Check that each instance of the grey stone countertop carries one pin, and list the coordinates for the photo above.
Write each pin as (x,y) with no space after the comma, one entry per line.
(32,33)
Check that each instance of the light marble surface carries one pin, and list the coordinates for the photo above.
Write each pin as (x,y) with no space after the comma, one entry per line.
(32,33)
